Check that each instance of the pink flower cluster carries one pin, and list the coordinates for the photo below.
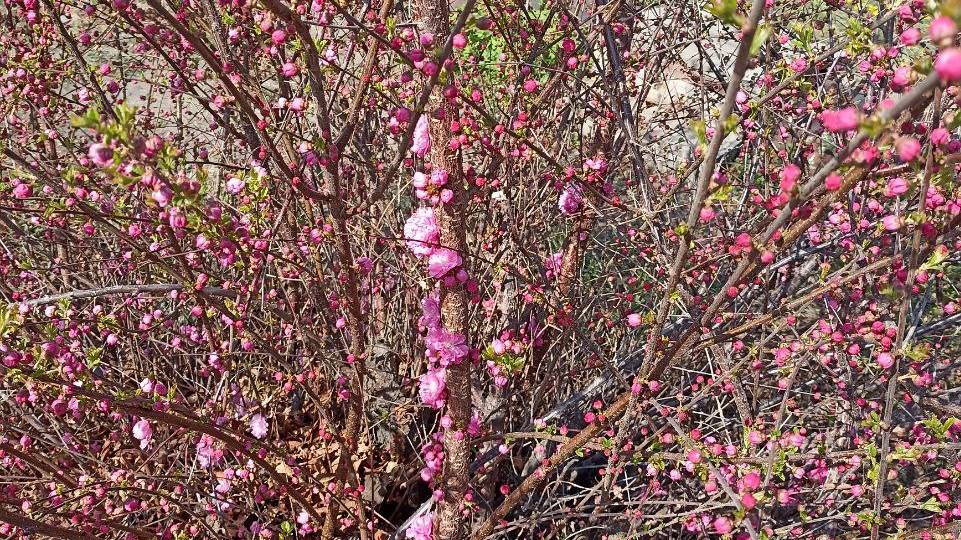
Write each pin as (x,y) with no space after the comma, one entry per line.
(422,236)
(444,349)
(431,188)
(571,199)
(433,454)
(421,528)
(841,120)
(421,233)
(421,138)
(208,452)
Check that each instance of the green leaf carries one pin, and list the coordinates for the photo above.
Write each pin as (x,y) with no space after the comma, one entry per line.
(760,37)
(89,120)
(7,324)
(937,257)
(721,194)
(725,11)
(931,505)
(700,130)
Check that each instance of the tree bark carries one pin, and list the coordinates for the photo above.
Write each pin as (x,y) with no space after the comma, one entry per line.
(450,523)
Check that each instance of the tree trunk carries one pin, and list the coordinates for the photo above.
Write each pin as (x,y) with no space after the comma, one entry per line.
(450,523)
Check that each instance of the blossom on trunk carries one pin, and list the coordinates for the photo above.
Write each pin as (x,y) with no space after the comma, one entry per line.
(421,139)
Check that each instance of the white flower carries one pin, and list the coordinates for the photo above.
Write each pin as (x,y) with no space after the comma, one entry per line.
(258,426)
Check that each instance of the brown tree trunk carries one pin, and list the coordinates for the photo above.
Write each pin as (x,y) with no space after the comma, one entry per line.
(450,523)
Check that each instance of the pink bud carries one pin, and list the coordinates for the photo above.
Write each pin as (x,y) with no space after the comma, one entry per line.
(896,186)
(841,120)
(289,69)
(908,148)
(942,28)
(885,360)
(723,525)
(940,136)
(891,222)
(910,36)
(948,65)
(832,182)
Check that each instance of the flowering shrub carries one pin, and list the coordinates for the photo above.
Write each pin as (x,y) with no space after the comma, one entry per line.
(287,269)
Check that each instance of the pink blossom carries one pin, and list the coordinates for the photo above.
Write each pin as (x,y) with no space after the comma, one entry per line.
(162,195)
(258,426)
(948,65)
(207,452)
(571,199)
(832,182)
(723,525)
(910,36)
(459,41)
(891,222)
(530,86)
(553,263)
(289,69)
(100,154)
(432,388)
(706,214)
(442,261)
(430,307)
(634,320)
(901,78)
(799,65)
(421,233)
(940,136)
(431,187)
(885,360)
(142,432)
(421,528)
(22,191)
(842,120)
(421,141)
(908,148)
(445,347)
(942,28)
(896,186)
(906,13)
(751,480)
(789,177)
(235,185)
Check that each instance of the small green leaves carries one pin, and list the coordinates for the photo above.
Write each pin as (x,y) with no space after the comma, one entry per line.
(89,120)
(726,12)
(760,37)
(721,194)
(931,505)
(730,123)
(936,259)
(7,320)
(804,35)
(700,131)
(937,427)
(873,126)
(286,530)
